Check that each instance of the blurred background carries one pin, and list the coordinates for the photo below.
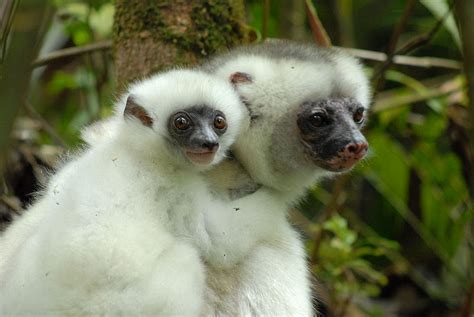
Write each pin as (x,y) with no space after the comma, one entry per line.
(394,237)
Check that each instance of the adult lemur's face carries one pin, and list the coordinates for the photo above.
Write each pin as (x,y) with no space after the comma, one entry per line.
(321,132)
(329,130)
(306,106)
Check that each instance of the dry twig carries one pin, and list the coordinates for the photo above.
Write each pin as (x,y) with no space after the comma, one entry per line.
(15,70)
(333,206)
(7,11)
(71,51)
(44,124)
(425,62)
(378,79)
(408,47)
(266,17)
(398,30)
(465,12)
(319,32)
(392,99)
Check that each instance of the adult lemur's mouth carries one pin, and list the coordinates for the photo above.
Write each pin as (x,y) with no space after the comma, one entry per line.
(341,161)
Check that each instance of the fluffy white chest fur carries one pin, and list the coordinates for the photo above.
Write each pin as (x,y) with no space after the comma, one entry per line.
(89,255)
(234,254)
(119,228)
(255,261)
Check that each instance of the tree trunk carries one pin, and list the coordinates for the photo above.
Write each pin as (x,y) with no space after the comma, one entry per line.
(150,36)
(292,20)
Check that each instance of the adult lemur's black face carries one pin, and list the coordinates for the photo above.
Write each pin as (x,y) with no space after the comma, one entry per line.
(330,132)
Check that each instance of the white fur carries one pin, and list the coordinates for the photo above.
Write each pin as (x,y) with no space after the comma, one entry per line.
(279,86)
(255,261)
(256,264)
(114,232)
(272,279)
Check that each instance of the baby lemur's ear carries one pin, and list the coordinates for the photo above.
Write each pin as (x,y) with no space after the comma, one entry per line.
(240,78)
(137,111)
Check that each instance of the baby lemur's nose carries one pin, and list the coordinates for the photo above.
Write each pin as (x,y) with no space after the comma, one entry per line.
(211,146)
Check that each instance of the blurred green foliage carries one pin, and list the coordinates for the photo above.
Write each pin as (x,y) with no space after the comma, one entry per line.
(344,258)
(77,91)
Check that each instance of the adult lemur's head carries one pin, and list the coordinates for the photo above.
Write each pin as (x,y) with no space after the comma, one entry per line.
(306,107)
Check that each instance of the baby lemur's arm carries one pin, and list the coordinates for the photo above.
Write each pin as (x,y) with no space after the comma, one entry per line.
(230,181)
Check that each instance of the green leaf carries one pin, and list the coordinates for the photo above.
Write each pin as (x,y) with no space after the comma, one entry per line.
(416,85)
(61,81)
(338,226)
(439,8)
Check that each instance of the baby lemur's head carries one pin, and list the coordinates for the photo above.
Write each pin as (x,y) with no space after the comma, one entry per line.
(306,105)
(185,116)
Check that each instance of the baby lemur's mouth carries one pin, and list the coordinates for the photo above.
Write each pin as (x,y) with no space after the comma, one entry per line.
(201,157)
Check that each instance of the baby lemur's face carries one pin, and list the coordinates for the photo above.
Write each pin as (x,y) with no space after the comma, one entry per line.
(196,131)
(183,118)
(330,132)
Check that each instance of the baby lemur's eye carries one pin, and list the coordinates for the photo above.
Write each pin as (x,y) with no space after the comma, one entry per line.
(359,115)
(181,122)
(317,119)
(219,122)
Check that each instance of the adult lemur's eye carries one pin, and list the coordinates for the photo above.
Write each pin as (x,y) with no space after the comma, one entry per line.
(359,115)
(181,123)
(317,119)
(219,122)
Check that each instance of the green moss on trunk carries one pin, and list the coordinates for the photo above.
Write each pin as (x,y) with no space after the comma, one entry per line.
(151,36)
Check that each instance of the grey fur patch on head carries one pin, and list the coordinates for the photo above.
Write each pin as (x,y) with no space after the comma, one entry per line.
(277,49)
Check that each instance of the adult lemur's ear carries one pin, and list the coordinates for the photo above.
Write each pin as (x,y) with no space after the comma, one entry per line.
(137,111)
(239,78)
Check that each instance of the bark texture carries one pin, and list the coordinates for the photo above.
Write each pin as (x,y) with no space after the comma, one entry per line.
(292,20)
(151,36)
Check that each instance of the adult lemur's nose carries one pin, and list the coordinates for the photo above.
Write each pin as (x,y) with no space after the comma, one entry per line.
(358,149)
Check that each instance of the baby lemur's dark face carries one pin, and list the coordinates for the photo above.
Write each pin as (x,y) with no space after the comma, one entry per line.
(330,132)
(196,130)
